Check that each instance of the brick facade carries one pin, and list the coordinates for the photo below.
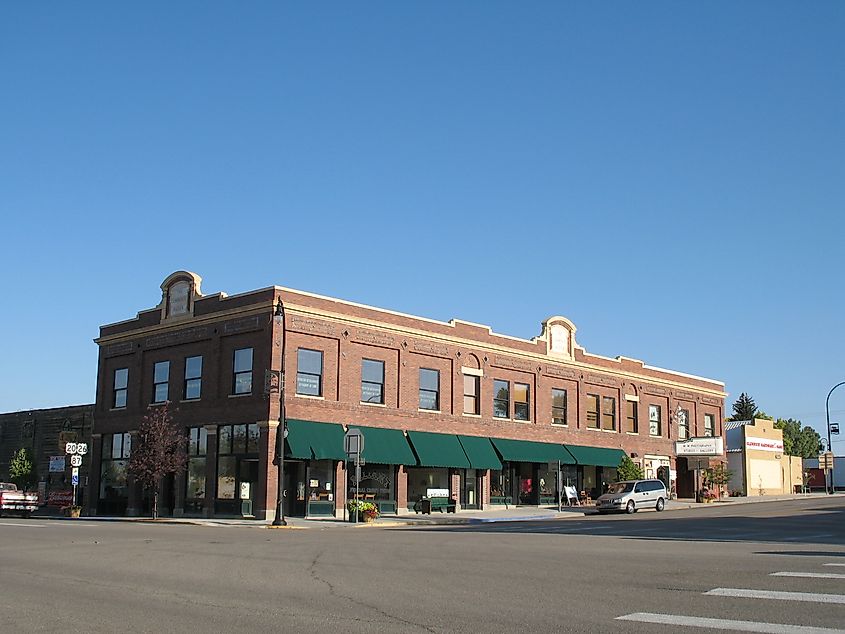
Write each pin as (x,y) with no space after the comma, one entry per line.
(215,326)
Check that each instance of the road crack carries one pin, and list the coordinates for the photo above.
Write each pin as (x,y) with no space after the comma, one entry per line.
(312,570)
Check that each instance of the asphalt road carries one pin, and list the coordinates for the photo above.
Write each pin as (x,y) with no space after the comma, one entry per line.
(592,574)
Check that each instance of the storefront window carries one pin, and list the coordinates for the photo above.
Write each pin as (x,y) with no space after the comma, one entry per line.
(421,480)
(377,483)
(321,480)
(548,485)
(226,466)
(195,476)
(500,485)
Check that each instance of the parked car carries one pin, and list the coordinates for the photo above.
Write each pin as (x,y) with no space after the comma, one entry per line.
(632,495)
(14,501)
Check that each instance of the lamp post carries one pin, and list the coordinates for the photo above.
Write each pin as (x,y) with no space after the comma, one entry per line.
(829,444)
(279,318)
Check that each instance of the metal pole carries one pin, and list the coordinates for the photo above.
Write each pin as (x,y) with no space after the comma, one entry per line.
(829,444)
(282,433)
(357,482)
(559,487)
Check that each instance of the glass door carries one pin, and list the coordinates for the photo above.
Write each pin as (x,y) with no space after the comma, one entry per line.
(469,492)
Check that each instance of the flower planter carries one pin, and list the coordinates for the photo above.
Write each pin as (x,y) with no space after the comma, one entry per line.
(72,511)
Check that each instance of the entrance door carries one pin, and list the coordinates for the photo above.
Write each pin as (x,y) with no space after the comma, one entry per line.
(247,480)
(294,488)
(469,492)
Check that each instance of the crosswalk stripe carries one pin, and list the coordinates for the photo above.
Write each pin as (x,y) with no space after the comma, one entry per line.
(726,624)
(809,575)
(810,597)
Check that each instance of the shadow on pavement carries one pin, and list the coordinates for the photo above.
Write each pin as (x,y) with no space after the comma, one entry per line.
(824,526)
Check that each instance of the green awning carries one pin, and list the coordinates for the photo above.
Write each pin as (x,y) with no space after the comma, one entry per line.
(596,456)
(327,441)
(480,452)
(386,446)
(298,442)
(309,440)
(530,451)
(437,450)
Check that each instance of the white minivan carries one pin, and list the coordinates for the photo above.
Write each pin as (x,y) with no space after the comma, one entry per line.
(632,495)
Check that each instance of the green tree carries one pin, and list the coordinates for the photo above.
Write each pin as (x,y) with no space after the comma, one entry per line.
(628,470)
(797,440)
(719,475)
(21,468)
(745,408)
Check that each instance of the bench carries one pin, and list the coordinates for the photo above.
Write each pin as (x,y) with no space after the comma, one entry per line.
(427,505)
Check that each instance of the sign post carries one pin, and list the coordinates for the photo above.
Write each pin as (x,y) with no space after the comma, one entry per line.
(76,451)
(353,445)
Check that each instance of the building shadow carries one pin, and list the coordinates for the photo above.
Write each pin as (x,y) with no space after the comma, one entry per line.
(824,526)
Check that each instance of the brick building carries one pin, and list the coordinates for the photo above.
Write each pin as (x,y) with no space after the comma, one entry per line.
(44,432)
(443,406)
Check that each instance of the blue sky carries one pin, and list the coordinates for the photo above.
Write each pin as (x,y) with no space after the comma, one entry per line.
(670,176)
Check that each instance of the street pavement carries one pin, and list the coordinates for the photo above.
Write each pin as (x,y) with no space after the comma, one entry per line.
(767,567)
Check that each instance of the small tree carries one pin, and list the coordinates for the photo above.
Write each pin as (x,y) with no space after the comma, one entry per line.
(21,468)
(745,408)
(158,451)
(628,470)
(719,475)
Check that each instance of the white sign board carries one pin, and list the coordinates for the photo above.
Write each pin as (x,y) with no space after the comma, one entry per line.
(763,444)
(700,446)
(74,476)
(76,461)
(437,493)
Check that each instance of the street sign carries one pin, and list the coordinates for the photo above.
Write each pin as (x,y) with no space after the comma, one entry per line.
(834,428)
(80,448)
(826,461)
(76,461)
(353,442)
(74,476)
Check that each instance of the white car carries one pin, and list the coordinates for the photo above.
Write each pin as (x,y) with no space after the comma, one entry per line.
(632,495)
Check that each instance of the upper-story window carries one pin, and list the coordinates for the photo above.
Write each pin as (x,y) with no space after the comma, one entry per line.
(121,380)
(593,411)
(558,406)
(501,399)
(709,424)
(521,401)
(472,390)
(608,413)
(309,372)
(242,382)
(429,389)
(683,424)
(632,418)
(193,378)
(655,422)
(161,377)
(372,381)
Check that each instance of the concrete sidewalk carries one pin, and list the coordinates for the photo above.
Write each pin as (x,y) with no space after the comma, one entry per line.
(512,514)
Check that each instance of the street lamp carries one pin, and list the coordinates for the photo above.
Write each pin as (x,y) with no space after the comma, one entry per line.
(279,318)
(829,444)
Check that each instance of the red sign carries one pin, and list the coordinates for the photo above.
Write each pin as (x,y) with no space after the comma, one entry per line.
(60,497)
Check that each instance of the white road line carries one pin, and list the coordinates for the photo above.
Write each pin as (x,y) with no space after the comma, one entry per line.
(810,597)
(726,624)
(834,564)
(23,525)
(809,575)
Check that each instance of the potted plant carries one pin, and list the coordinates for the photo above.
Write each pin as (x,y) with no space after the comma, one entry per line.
(364,511)
(72,511)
